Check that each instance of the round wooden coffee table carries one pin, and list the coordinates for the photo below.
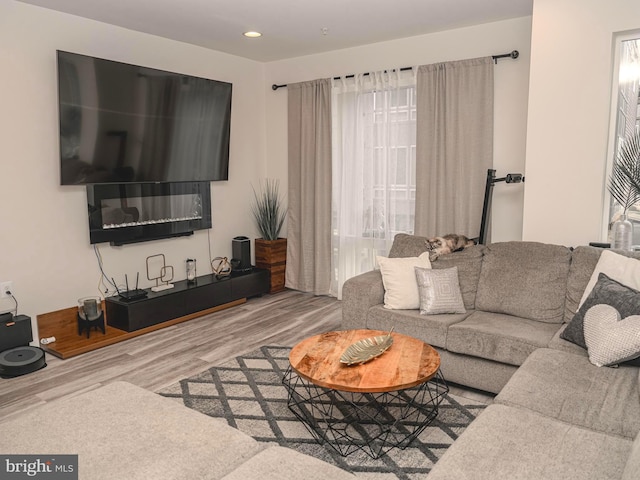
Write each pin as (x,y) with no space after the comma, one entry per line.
(382,404)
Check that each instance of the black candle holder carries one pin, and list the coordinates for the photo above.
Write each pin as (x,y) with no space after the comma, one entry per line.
(90,315)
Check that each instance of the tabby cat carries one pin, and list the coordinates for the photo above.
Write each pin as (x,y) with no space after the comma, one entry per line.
(452,242)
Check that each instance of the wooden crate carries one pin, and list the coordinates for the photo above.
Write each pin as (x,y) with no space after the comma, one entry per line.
(272,255)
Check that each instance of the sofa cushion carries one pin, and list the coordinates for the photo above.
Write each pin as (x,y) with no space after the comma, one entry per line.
(583,261)
(406,245)
(431,329)
(439,291)
(611,339)
(583,265)
(524,279)
(286,464)
(616,266)
(606,291)
(124,431)
(513,443)
(469,263)
(569,388)
(558,343)
(499,337)
(632,466)
(399,280)
(474,372)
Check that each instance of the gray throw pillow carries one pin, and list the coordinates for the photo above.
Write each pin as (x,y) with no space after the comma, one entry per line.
(439,291)
(606,291)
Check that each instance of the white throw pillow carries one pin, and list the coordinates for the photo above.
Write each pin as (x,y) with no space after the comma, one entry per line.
(399,280)
(609,339)
(618,267)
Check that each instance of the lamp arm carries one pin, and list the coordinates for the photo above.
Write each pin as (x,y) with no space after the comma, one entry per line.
(491,177)
(488,190)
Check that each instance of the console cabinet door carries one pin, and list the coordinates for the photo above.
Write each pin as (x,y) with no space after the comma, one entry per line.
(208,296)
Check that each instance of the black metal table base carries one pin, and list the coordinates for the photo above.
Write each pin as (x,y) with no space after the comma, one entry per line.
(371,422)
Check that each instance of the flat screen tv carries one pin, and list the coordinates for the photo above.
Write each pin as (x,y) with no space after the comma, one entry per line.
(123,123)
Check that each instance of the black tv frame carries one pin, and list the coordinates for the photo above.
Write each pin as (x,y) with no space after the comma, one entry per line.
(119,167)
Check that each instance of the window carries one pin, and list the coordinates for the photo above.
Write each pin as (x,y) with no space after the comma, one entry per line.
(374,185)
(625,121)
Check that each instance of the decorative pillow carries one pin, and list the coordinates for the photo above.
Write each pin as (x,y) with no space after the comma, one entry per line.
(617,267)
(609,339)
(399,280)
(439,291)
(607,291)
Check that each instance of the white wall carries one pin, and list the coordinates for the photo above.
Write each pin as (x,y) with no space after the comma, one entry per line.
(44,237)
(568,123)
(511,87)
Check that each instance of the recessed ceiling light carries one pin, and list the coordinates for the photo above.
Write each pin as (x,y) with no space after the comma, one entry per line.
(252,34)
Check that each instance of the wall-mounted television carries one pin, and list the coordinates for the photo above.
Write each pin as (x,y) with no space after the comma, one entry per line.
(122,123)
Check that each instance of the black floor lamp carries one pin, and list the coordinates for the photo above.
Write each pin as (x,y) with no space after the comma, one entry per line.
(488,190)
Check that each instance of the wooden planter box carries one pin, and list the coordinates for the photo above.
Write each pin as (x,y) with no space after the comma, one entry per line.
(272,255)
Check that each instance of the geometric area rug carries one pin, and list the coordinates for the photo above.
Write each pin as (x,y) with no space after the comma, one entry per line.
(247,392)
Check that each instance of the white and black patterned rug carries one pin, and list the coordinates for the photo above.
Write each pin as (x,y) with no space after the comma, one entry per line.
(248,393)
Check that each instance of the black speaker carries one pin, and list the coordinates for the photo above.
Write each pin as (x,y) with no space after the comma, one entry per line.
(241,250)
(15,331)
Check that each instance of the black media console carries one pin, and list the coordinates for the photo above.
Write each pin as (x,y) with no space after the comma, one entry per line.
(184,299)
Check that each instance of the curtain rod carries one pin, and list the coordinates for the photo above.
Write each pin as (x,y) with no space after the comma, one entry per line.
(514,54)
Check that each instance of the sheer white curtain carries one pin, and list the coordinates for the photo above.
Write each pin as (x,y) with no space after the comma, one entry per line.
(373,180)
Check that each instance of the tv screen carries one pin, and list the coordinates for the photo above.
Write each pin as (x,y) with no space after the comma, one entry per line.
(123,123)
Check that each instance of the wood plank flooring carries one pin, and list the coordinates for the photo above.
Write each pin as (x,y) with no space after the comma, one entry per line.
(63,325)
(160,358)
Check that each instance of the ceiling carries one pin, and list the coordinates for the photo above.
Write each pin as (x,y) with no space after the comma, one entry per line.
(290,28)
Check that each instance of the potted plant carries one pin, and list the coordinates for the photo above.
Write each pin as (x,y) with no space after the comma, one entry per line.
(624,186)
(269,213)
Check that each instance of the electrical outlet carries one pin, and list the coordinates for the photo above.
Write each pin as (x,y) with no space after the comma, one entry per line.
(4,288)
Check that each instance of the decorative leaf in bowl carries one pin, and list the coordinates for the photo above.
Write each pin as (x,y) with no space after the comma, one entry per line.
(366,349)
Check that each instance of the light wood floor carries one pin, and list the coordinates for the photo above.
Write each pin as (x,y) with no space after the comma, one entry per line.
(160,358)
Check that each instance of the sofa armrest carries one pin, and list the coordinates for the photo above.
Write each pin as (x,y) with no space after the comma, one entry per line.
(360,293)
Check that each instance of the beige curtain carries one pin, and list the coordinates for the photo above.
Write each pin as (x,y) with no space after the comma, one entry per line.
(454,146)
(309,218)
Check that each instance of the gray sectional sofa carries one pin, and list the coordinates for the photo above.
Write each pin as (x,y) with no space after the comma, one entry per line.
(556,415)
(121,431)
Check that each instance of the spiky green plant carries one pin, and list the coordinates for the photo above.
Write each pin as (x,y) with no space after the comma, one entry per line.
(624,182)
(268,209)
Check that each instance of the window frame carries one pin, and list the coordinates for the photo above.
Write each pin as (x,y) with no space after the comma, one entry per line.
(612,142)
